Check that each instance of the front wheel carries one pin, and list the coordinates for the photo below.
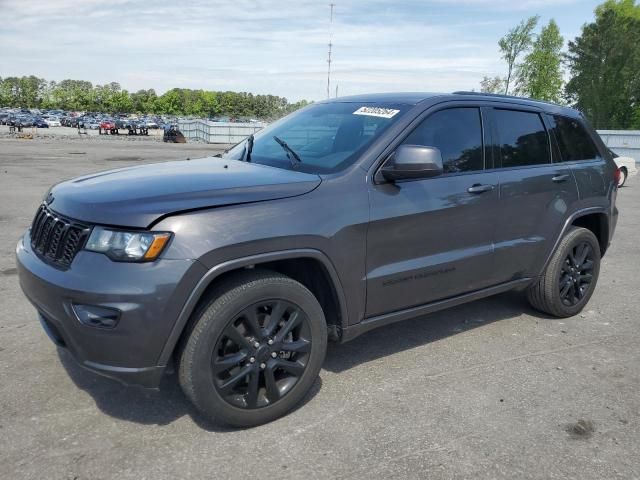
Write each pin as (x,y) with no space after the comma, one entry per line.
(255,349)
(568,281)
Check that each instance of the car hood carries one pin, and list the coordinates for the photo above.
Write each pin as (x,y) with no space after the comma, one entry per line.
(138,196)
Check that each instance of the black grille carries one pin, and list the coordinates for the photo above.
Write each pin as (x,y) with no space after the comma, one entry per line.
(56,239)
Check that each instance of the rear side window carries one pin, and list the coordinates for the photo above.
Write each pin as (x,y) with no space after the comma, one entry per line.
(573,140)
(457,132)
(523,138)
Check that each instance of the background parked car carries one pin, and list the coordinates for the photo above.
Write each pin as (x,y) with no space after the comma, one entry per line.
(626,165)
(150,123)
(39,122)
(53,121)
(91,124)
(108,125)
(24,121)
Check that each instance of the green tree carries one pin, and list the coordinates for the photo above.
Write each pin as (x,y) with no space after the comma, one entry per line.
(7,91)
(540,74)
(144,101)
(516,42)
(604,62)
(25,92)
(492,85)
(73,95)
(171,102)
(79,95)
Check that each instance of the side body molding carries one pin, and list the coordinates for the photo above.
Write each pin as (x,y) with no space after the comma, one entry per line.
(235,264)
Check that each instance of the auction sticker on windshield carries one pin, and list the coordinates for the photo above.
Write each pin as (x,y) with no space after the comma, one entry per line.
(376,112)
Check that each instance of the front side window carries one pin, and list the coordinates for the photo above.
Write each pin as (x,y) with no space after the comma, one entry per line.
(522,137)
(573,140)
(326,137)
(457,133)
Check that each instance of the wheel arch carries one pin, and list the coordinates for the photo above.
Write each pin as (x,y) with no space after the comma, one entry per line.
(595,219)
(598,224)
(299,264)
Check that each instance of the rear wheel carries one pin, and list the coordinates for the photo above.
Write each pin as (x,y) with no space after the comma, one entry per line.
(570,278)
(255,349)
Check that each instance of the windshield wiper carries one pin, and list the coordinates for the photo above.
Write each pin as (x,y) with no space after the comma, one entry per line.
(248,148)
(291,154)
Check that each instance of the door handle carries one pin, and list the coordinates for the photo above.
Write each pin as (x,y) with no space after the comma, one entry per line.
(561,178)
(477,188)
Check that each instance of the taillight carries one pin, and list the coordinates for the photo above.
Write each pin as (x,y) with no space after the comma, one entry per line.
(616,176)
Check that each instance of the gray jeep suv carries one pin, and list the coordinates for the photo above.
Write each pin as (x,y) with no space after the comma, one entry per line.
(344,216)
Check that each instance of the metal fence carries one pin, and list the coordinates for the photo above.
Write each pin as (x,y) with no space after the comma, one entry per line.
(625,143)
(218,132)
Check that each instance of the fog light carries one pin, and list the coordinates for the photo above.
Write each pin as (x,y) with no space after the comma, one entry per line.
(99,317)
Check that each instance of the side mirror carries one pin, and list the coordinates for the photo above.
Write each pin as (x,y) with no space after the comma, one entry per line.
(413,161)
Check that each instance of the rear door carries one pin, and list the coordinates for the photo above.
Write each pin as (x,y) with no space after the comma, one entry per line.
(579,153)
(535,193)
(430,239)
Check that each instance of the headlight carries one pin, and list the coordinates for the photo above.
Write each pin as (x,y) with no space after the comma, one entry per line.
(127,246)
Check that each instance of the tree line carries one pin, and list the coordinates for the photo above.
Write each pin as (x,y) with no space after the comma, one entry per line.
(602,65)
(79,95)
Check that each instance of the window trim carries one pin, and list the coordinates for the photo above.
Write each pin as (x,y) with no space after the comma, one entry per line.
(496,139)
(556,157)
(423,117)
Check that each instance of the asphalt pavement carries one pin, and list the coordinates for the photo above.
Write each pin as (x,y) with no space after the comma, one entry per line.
(491,389)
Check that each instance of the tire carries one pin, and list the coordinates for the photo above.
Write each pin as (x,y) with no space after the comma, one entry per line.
(623,177)
(568,281)
(221,336)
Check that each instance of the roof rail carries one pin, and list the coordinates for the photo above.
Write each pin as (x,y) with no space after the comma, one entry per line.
(501,95)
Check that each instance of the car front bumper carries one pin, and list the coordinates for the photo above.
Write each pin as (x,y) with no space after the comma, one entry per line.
(147,297)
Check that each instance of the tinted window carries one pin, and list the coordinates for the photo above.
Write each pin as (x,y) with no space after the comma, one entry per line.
(573,140)
(523,139)
(457,132)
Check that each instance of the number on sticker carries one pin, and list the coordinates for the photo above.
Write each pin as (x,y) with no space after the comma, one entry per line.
(376,112)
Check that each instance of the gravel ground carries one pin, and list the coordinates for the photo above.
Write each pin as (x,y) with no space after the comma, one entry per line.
(486,390)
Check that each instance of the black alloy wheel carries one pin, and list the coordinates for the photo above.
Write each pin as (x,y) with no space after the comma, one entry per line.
(576,274)
(261,354)
(254,348)
(569,279)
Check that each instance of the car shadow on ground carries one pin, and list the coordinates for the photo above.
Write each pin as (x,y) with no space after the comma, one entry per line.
(408,334)
(145,406)
(166,405)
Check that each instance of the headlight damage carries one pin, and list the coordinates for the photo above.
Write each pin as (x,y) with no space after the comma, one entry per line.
(127,246)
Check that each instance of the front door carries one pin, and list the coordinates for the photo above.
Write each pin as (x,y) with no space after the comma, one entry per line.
(432,239)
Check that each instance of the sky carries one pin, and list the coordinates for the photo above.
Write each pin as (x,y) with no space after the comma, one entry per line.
(278,47)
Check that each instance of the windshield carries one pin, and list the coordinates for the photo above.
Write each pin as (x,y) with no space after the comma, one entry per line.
(327,137)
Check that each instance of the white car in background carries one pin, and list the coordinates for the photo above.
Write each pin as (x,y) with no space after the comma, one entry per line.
(626,165)
(52,122)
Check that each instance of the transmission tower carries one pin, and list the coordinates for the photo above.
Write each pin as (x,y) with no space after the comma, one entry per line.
(331,5)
